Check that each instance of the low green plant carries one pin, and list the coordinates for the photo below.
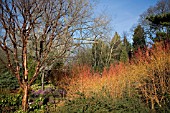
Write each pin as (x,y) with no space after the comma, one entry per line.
(165,108)
(130,105)
(103,102)
(37,105)
(10,102)
(92,104)
(8,81)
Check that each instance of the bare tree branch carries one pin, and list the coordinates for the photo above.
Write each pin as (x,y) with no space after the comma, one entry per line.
(44,30)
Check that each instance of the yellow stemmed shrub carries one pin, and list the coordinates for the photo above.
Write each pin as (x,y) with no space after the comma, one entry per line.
(146,77)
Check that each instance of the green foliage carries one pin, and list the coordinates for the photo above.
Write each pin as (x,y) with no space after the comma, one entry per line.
(84,56)
(104,54)
(115,49)
(103,103)
(129,104)
(162,21)
(31,69)
(92,104)
(8,81)
(126,44)
(156,19)
(126,48)
(99,55)
(37,105)
(124,55)
(139,38)
(10,102)
(165,105)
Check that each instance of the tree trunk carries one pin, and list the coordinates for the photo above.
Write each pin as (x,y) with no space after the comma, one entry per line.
(42,81)
(25,98)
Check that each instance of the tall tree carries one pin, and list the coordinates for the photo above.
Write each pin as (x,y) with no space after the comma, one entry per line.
(99,55)
(84,56)
(127,44)
(114,49)
(50,26)
(124,55)
(126,48)
(139,38)
(163,21)
(162,7)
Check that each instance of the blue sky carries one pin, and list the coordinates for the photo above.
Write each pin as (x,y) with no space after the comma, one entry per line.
(123,13)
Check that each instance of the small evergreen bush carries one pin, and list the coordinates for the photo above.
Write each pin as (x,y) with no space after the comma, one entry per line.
(92,104)
(130,105)
(104,103)
(8,81)
(10,102)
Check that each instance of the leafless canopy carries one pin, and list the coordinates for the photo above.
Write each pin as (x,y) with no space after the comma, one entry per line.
(28,25)
(43,30)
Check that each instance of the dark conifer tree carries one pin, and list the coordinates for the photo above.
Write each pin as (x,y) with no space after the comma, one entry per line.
(139,38)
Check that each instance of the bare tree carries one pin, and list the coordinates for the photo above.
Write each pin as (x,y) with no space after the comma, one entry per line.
(43,30)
